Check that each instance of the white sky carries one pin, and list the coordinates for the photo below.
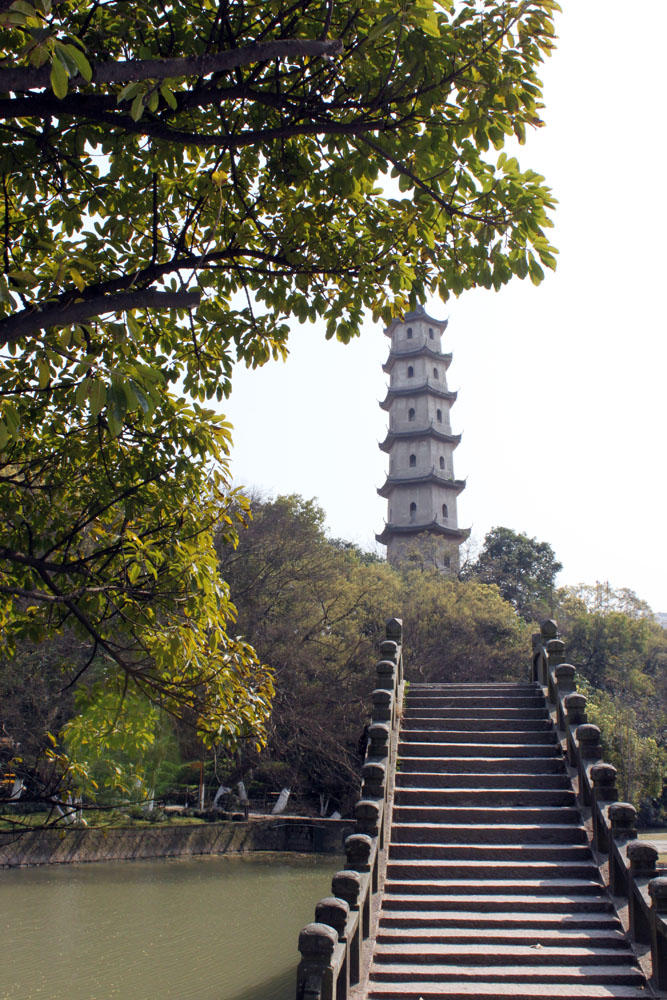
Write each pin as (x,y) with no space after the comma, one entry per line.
(562,387)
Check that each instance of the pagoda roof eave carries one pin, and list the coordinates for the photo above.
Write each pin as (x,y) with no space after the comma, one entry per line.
(416,352)
(394,482)
(429,431)
(433,528)
(417,390)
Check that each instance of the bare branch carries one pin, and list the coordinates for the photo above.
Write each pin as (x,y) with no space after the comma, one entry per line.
(133,70)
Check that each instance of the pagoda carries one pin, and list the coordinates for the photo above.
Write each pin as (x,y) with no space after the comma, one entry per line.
(420,488)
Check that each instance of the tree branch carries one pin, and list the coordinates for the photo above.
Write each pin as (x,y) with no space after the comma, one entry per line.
(29,320)
(133,70)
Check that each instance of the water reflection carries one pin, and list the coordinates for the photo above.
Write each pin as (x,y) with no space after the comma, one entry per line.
(197,929)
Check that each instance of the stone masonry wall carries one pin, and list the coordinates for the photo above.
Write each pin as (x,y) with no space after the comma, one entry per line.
(280,833)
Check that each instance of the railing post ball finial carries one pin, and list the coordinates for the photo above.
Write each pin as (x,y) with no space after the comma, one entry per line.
(623,816)
(588,737)
(643,858)
(386,675)
(575,708)
(317,943)
(603,777)
(565,674)
(334,912)
(347,886)
(367,812)
(548,629)
(374,774)
(657,890)
(394,629)
(358,852)
(389,650)
(378,736)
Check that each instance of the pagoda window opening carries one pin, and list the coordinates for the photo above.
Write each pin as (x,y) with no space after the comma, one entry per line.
(444,510)
(438,415)
(413,461)
(442,462)
(430,333)
(413,511)
(411,371)
(409,333)
(435,373)
(411,413)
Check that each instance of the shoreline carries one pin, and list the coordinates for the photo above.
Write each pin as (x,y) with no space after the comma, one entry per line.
(280,834)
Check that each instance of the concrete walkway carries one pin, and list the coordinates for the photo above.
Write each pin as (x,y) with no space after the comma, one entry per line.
(491,888)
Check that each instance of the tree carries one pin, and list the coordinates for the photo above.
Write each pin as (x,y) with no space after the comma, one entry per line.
(314,608)
(460,631)
(178,180)
(523,569)
(621,654)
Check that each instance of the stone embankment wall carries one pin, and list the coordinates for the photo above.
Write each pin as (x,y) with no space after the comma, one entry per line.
(279,833)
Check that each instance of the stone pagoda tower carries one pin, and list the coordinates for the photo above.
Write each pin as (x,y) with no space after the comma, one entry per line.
(420,489)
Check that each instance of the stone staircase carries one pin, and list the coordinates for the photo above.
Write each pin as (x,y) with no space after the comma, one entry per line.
(491,889)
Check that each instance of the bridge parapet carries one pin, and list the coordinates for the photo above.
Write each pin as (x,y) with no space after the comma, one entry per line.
(633,870)
(335,947)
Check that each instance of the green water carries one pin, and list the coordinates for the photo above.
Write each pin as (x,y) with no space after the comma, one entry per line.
(198,929)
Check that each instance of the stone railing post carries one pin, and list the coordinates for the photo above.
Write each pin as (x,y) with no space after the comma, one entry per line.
(657,889)
(565,684)
(314,975)
(555,656)
(603,777)
(347,886)
(358,847)
(588,738)
(335,912)
(643,858)
(394,633)
(623,817)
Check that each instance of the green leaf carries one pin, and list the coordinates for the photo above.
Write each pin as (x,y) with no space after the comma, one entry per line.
(59,78)
(82,63)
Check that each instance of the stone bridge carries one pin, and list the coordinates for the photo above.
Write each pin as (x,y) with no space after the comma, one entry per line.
(491,857)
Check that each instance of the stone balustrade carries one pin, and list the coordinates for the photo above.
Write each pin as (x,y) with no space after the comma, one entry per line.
(335,948)
(633,869)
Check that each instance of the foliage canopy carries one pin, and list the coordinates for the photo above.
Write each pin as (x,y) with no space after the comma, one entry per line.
(177,181)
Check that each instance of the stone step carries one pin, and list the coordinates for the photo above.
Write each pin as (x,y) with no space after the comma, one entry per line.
(434,749)
(403,832)
(482,764)
(484,796)
(529,937)
(493,922)
(486,815)
(559,975)
(477,713)
(474,868)
(517,854)
(496,886)
(448,779)
(505,991)
(509,902)
(474,685)
(475,701)
(434,953)
(494,736)
(467,725)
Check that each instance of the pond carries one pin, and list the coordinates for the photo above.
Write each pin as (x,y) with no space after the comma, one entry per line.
(207,928)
